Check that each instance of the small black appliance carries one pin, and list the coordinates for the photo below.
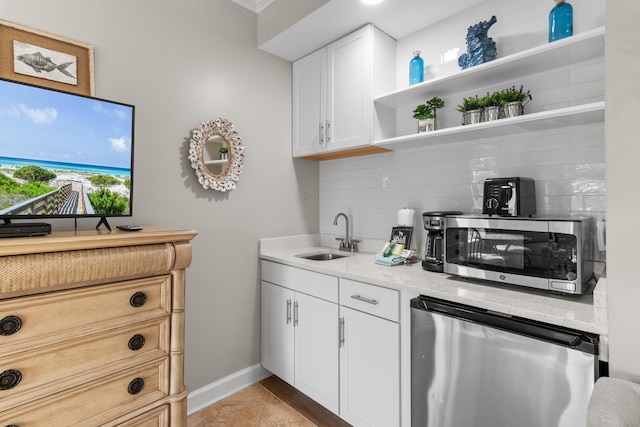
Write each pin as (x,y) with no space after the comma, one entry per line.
(434,223)
(509,197)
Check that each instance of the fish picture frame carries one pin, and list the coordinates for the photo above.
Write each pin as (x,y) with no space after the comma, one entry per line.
(44,59)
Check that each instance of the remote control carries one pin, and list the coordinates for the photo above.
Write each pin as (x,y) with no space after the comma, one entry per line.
(129,227)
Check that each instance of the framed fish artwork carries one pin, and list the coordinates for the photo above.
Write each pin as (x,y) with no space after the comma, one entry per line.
(43,59)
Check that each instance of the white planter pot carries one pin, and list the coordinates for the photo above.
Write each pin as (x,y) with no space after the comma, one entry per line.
(513,109)
(426,125)
(491,113)
(473,117)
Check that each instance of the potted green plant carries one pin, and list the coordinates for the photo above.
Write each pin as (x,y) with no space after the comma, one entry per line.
(426,114)
(514,101)
(492,106)
(471,109)
(223,152)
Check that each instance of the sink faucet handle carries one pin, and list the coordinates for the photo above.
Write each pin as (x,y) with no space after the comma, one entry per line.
(354,245)
(341,240)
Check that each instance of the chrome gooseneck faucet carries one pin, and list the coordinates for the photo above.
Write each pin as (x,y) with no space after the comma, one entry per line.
(347,243)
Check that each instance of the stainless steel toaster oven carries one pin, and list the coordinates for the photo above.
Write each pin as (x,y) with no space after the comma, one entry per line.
(542,253)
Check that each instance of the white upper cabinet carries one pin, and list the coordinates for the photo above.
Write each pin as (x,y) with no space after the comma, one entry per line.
(333,91)
(310,104)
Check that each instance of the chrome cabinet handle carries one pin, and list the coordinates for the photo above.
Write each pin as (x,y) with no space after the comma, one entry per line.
(295,313)
(341,332)
(365,299)
(288,311)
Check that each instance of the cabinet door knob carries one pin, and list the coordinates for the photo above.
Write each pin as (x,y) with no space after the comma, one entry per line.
(9,379)
(135,386)
(138,299)
(10,325)
(136,342)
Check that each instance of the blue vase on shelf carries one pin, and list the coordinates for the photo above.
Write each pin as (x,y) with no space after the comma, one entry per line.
(416,69)
(560,21)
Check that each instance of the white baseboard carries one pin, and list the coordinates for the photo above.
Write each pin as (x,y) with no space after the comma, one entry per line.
(211,393)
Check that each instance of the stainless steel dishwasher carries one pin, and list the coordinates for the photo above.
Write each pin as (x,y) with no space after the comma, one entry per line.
(475,368)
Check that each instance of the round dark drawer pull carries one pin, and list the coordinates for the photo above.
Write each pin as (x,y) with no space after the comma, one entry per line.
(135,386)
(136,342)
(12,425)
(138,299)
(9,379)
(10,325)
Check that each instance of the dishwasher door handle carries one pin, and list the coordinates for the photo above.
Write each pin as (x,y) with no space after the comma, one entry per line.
(578,340)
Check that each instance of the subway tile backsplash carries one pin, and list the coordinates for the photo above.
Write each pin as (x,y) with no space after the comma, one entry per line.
(568,164)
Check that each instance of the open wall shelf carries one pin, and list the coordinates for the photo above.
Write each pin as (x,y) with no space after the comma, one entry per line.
(577,48)
(562,117)
(572,50)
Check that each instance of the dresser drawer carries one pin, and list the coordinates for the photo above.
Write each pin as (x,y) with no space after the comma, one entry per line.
(58,367)
(158,417)
(376,300)
(50,317)
(98,402)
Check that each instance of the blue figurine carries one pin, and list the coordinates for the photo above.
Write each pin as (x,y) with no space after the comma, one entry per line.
(480,47)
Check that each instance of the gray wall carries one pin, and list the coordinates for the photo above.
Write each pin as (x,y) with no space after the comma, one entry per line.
(623,203)
(180,63)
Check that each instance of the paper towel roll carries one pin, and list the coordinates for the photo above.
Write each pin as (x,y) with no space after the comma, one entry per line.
(405,217)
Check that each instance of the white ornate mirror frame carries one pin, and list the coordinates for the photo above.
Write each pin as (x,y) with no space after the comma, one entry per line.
(216,133)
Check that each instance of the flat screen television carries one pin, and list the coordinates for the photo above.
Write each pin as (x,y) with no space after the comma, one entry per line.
(63,155)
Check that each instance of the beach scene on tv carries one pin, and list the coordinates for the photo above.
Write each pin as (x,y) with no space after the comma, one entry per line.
(63,154)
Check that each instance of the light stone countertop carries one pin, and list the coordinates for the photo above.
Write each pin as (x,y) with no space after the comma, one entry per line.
(571,311)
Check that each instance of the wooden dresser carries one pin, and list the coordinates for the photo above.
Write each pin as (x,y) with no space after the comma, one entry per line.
(92,328)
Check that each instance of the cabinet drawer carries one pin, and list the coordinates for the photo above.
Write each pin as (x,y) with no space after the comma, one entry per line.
(48,318)
(98,402)
(300,280)
(158,417)
(376,300)
(55,368)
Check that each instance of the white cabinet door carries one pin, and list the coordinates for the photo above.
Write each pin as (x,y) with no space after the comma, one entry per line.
(333,91)
(277,343)
(349,100)
(316,350)
(369,370)
(310,104)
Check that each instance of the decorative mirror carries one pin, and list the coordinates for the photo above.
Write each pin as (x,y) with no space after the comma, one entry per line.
(216,153)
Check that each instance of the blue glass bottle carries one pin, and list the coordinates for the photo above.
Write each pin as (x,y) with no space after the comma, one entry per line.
(560,21)
(416,69)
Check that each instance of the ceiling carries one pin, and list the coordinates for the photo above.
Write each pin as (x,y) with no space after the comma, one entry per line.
(336,18)
(253,5)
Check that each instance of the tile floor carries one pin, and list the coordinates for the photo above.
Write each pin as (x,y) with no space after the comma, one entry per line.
(254,406)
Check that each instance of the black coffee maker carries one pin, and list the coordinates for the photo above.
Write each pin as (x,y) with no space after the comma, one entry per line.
(434,223)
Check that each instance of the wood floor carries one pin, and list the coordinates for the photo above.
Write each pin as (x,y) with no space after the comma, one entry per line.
(270,403)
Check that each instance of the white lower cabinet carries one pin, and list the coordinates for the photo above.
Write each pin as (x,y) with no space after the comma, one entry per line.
(369,355)
(369,370)
(316,353)
(345,357)
(300,330)
(277,345)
